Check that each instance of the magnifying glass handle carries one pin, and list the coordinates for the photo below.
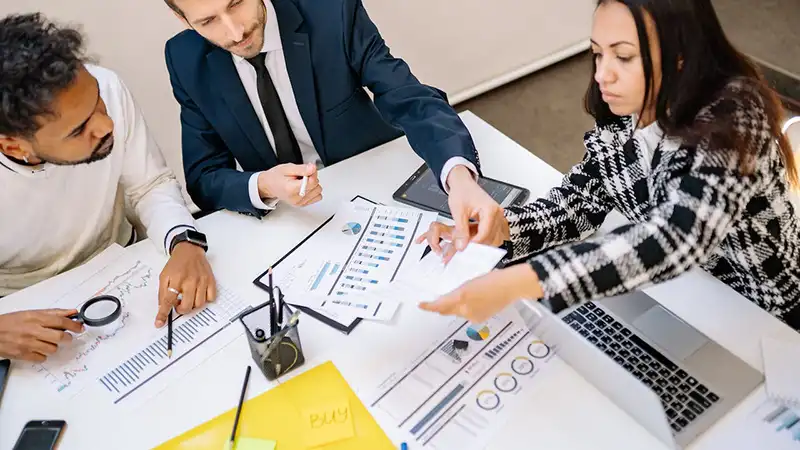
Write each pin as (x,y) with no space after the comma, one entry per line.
(76,317)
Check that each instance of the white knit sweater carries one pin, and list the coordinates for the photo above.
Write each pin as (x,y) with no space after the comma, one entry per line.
(57,217)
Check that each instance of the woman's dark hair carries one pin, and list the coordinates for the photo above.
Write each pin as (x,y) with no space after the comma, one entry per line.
(698,65)
(38,60)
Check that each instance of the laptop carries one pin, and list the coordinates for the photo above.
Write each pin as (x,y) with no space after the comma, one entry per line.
(672,379)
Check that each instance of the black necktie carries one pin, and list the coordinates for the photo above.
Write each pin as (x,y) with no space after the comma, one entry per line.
(285,143)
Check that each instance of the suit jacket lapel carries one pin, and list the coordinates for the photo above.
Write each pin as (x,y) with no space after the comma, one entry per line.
(297,52)
(231,89)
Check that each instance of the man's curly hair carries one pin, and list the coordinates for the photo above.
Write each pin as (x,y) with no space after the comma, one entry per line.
(38,60)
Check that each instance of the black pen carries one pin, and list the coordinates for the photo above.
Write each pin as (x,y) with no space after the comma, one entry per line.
(280,307)
(169,334)
(239,408)
(273,327)
(273,315)
(271,286)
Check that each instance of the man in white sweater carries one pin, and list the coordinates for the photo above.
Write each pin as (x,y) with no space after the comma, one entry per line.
(76,160)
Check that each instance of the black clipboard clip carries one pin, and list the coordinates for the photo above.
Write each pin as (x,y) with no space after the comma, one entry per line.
(346,329)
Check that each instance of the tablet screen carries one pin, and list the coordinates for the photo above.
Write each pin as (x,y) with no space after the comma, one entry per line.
(425,191)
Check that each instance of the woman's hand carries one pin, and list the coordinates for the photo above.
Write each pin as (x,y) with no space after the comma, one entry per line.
(498,234)
(479,299)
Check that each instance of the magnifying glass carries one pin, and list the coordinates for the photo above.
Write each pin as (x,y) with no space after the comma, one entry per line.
(99,311)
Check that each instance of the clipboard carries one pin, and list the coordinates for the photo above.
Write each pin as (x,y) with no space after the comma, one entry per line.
(346,329)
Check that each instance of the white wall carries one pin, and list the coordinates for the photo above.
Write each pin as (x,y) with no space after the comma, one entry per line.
(467,47)
(461,46)
(127,36)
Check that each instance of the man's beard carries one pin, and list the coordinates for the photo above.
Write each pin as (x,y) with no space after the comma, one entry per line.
(100,152)
(257,28)
(231,47)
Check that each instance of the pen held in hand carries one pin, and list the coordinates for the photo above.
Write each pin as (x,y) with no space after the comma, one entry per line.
(303,186)
(169,334)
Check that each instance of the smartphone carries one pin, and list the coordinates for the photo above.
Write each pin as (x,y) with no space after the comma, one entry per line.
(5,367)
(422,191)
(40,435)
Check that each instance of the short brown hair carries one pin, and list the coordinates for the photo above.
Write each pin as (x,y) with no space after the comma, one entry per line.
(174,7)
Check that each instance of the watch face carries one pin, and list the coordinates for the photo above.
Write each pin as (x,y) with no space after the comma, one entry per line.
(196,237)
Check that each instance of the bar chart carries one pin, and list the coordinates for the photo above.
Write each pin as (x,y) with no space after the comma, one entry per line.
(450,350)
(785,422)
(189,332)
(360,249)
(388,235)
(453,398)
(498,349)
(766,424)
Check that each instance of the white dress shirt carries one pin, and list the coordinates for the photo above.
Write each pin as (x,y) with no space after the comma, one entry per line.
(276,66)
(58,217)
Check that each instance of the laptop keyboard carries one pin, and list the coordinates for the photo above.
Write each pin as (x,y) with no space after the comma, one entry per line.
(684,398)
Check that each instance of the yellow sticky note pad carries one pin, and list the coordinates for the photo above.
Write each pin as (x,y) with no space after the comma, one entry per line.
(328,422)
(254,444)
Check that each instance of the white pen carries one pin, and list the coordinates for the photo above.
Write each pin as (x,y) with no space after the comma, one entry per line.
(303,186)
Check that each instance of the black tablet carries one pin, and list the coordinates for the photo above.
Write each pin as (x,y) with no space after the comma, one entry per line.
(422,191)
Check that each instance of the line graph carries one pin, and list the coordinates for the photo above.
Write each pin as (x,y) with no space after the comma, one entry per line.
(66,369)
(121,357)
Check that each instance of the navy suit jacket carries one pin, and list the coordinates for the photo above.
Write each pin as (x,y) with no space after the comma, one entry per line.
(332,50)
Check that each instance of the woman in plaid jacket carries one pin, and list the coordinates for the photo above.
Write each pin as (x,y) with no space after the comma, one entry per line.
(687,146)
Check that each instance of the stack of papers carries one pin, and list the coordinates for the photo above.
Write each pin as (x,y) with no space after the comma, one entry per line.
(425,280)
(369,264)
(782,371)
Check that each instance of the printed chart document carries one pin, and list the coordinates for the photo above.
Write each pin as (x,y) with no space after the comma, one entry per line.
(105,365)
(362,248)
(764,424)
(425,281)
(448,398)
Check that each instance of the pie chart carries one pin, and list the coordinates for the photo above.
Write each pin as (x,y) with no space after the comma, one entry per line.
(538,349)
(478,332)
(488,400)
(351,229)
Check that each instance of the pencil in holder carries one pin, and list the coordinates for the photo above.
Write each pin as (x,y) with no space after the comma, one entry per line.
(275,354)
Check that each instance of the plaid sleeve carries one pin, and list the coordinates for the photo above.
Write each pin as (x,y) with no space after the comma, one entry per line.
(706,194)
(569,212)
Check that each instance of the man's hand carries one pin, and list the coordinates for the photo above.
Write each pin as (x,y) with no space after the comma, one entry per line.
(189,273)
(283,182)
(469,201)
(34,335)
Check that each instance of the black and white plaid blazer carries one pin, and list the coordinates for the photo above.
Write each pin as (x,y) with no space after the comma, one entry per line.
(693,207)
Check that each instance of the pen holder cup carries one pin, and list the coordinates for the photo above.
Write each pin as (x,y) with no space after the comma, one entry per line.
(277,354)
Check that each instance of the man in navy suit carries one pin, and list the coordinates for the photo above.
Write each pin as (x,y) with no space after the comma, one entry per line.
(278,86)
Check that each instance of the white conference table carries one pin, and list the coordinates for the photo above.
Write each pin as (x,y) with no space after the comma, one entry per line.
(564,412)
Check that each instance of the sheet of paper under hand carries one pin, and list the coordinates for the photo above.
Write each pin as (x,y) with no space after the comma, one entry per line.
(430,278)
(472,262)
